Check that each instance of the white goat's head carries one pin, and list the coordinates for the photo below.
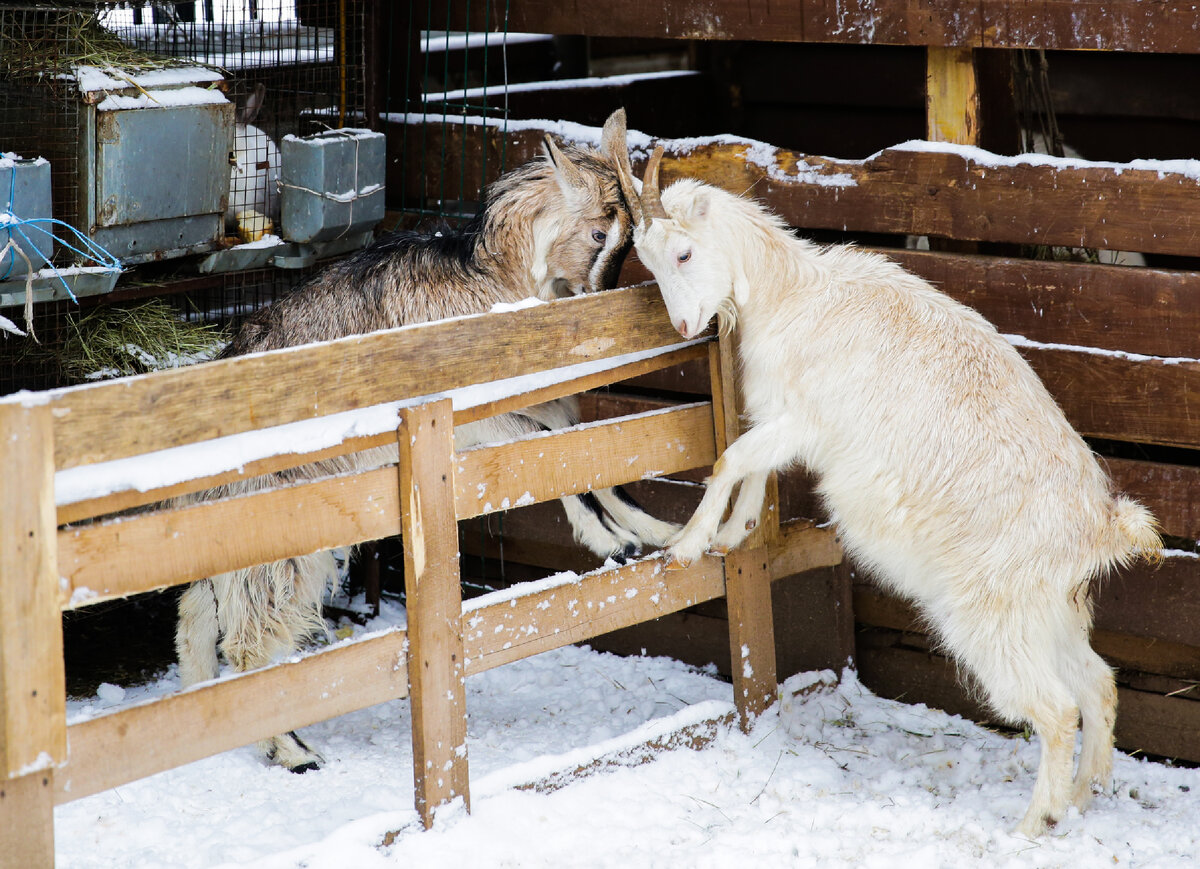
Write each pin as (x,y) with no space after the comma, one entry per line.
(679,241)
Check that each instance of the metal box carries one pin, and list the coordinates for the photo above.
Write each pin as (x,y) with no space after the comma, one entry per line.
(155,167)
(24,194)
(332,184)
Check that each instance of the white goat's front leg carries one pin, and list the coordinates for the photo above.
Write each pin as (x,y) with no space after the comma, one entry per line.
(747,508)
(754,455)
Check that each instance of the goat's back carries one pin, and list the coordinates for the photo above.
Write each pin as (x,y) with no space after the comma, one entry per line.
(939,451)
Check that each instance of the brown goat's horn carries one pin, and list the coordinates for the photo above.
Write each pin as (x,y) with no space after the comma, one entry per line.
(652,206)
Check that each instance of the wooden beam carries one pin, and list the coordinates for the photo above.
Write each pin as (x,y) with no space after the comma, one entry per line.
(33,731)
(951,96)
(124,746)
(27,819)
(946,193)
(594,456)
(146,552)
(512,625)
(1150,311)
(436,672)
(747,568)
(32,685)
(132,498)
(124,556)
(1124,25)
(135,415)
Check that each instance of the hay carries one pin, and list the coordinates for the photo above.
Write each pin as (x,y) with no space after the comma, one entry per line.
(52,42)
(115,342)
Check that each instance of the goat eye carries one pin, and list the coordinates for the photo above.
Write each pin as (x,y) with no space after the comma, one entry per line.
(685,256)
(599,235)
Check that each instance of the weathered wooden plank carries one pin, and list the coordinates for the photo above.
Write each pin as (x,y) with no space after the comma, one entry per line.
(141,414)
(1147,618)
(131,498)
(1146,722)
(509,626)
(32,685)
(950,193)
(1155,312)
(141,553)
(436,672)
(747,569)
(124,556)
(1126,25)
(1141,400)
(951,96)
(27,819)
(1172,492)
(113,749)
(594,456)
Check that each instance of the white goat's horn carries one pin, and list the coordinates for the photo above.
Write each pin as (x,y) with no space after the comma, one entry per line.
(651,198)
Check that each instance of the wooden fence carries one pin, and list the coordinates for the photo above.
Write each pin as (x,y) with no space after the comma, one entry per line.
(52,559)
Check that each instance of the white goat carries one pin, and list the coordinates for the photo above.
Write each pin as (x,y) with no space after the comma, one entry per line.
(948,469)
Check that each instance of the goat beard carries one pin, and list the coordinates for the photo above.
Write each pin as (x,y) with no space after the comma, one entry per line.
(727,317)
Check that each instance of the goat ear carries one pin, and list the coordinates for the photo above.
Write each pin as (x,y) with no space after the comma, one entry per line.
(698,205)
(612,139)
(570,178)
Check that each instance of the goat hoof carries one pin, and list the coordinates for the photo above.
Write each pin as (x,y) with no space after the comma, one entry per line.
(674,563)
(303,768)
(719,550)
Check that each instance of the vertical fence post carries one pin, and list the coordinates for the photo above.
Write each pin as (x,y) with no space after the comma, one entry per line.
(747,568)
(33,731)
(436,675)
(951,96)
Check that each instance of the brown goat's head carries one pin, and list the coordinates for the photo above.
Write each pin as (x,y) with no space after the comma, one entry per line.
(571,200)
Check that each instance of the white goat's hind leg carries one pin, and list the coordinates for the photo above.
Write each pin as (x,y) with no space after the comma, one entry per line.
(197,634)
(758,451)
(1097,693)
(1056,730)
(747,508)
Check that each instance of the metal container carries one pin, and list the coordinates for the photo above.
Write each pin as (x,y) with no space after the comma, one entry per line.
(24,195)
(155,169)
(332,184)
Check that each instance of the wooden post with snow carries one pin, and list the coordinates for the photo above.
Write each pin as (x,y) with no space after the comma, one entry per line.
(434,599)
(33,734)
(747,568)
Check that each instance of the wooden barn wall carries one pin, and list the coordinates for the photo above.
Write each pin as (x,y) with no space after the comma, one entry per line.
(848,80)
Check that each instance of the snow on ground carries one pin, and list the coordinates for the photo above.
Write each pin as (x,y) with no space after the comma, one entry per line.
(832,776)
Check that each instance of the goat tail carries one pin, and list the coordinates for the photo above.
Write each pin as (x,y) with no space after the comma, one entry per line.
(1137,532)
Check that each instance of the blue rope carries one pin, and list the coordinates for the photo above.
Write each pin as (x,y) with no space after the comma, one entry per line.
(92,251)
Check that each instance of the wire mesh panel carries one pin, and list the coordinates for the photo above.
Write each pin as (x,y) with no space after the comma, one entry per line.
(284,67)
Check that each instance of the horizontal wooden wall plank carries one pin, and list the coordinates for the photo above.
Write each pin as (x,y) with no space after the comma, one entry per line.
(594,456)
(1141,400)
(1172,492)
(124,746)
(1126,25)
(1147,618)
(135,415)
(953,192)
(1138,310)
(1146,722)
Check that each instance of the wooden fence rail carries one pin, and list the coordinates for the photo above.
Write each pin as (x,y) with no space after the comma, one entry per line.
(46,569)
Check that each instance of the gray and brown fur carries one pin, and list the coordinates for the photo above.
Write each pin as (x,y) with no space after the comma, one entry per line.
(538,233)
